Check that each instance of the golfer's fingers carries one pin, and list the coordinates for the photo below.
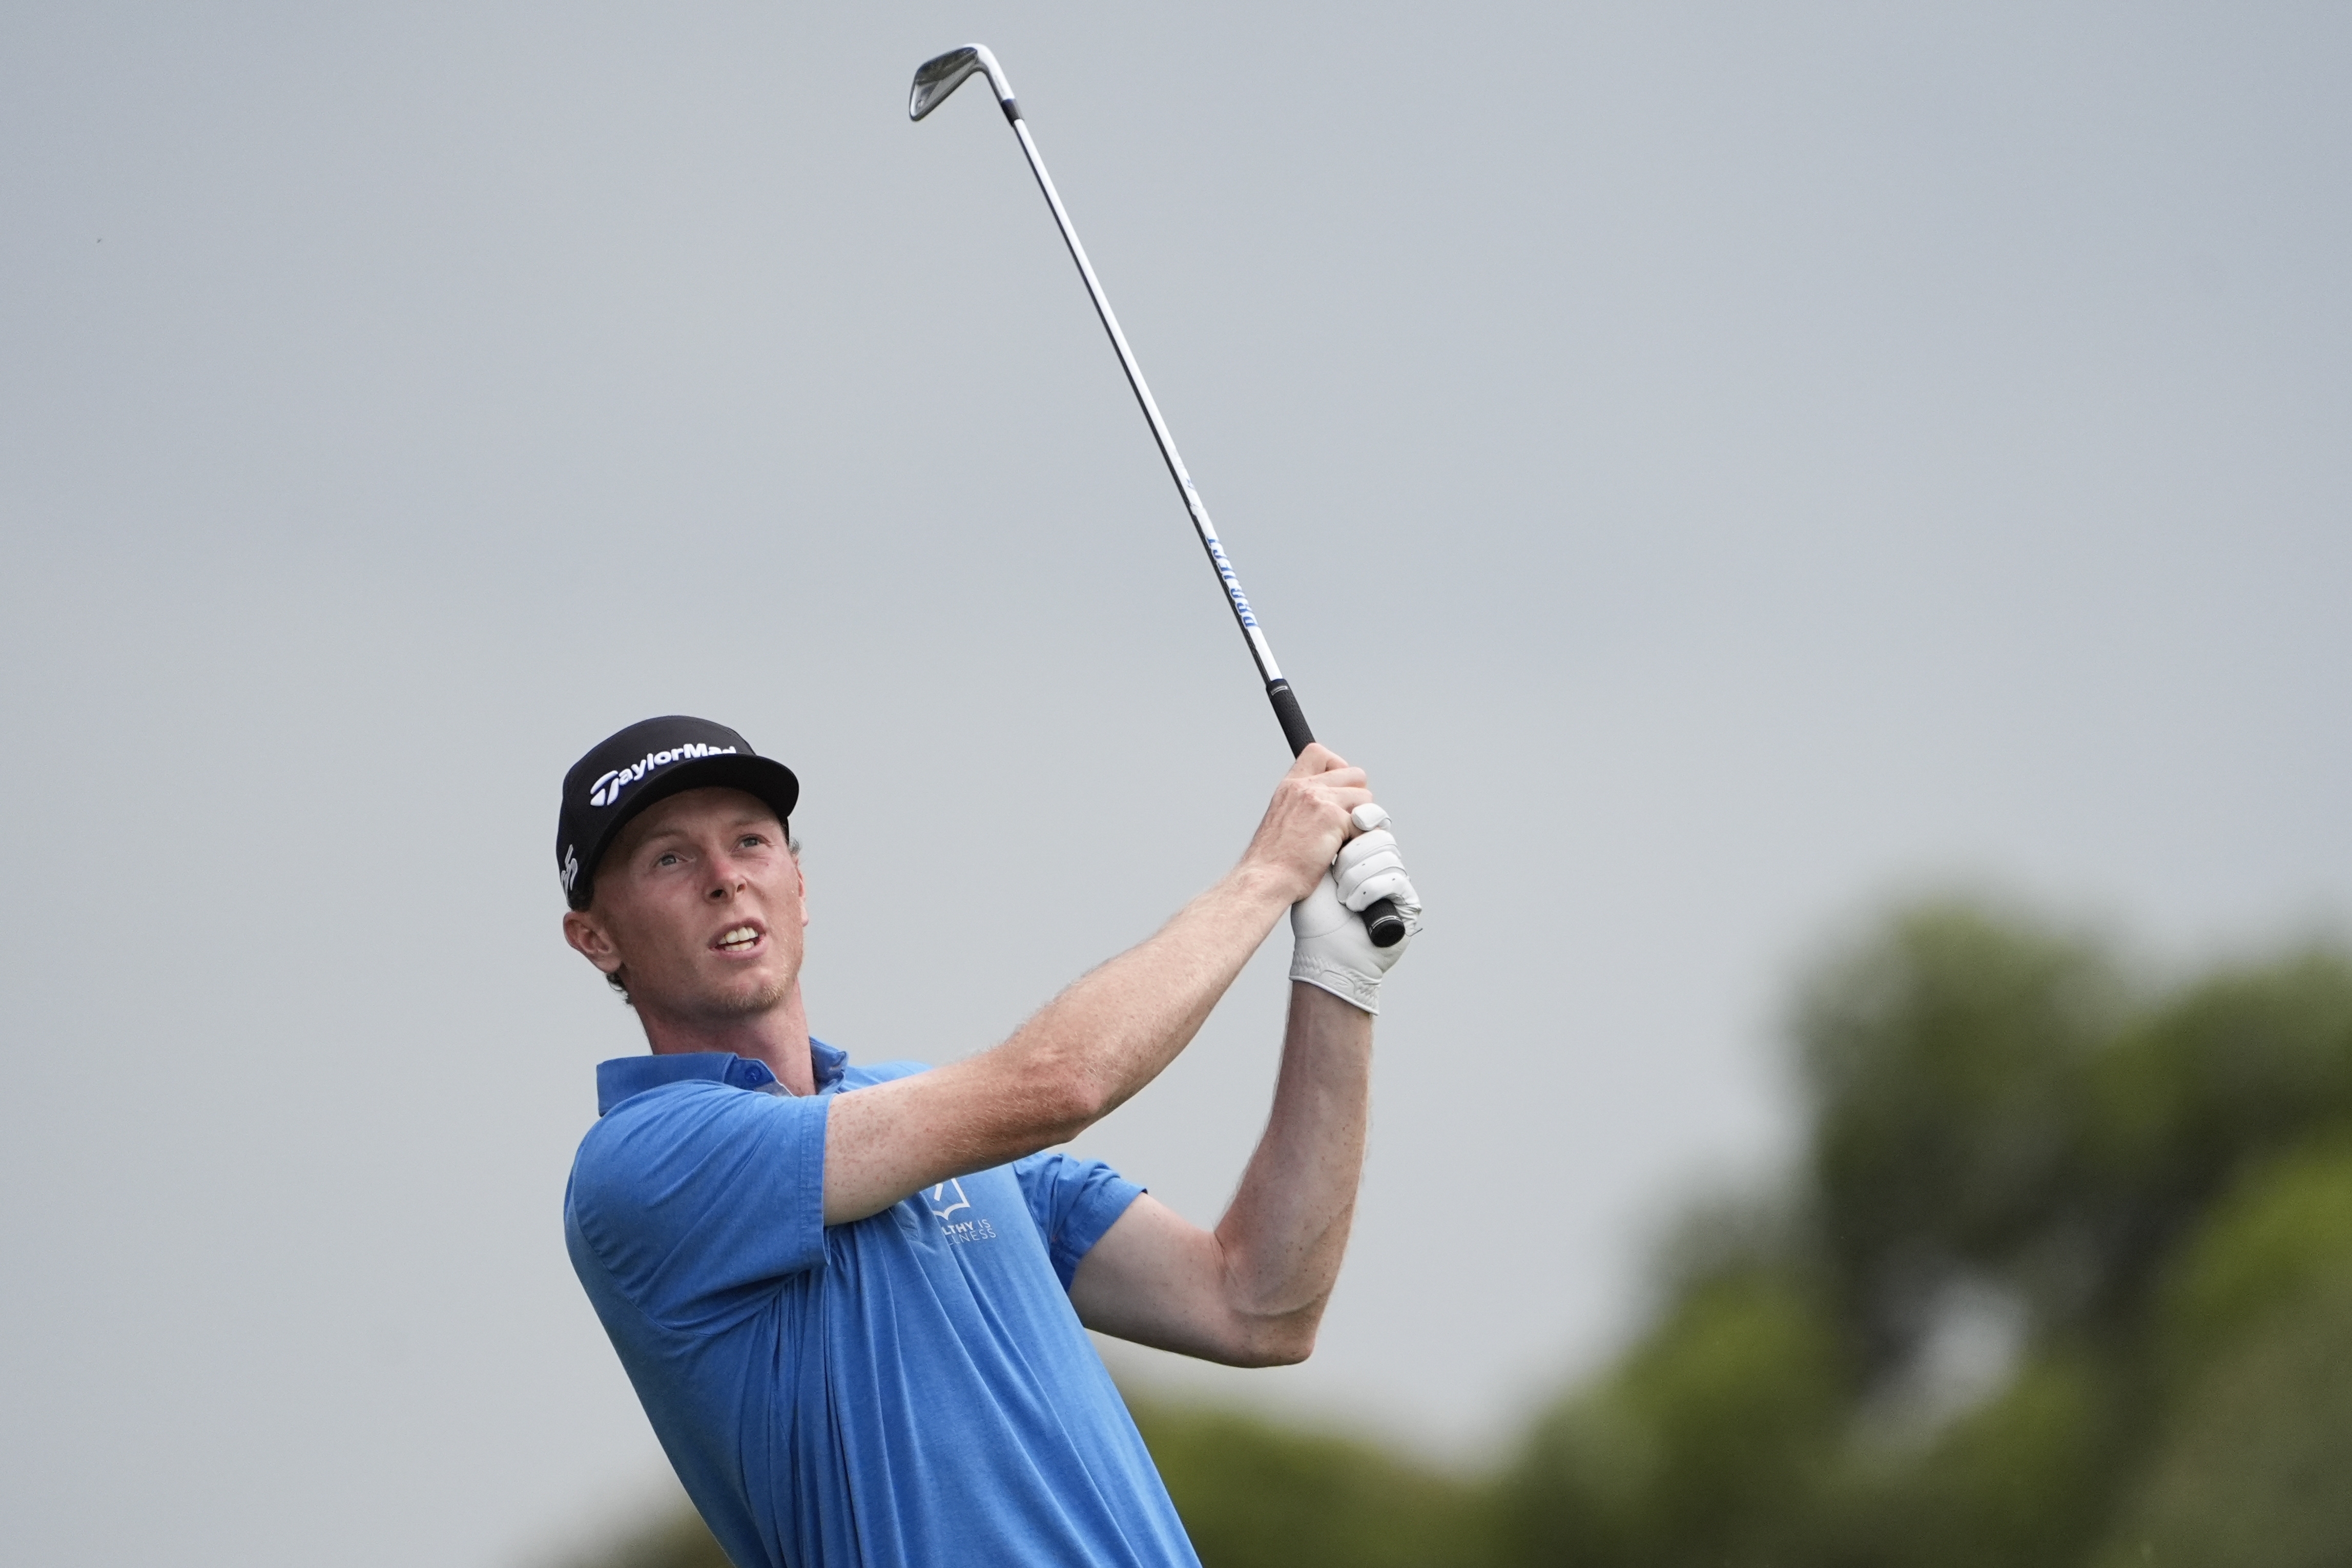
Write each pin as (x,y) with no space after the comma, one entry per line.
(1338,781)
(1318,758)
(1371,868)
(1347,799)
(1370,851)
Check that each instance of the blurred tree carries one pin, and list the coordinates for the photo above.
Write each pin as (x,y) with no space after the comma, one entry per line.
(1253,1494)
(1708,1445)
(2064,1278)
(2238,1067)
(2256,1363)
(2021,1480)
(1947,1059)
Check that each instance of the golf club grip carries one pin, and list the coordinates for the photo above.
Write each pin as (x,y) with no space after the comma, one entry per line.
(1288,712)
(1382,923)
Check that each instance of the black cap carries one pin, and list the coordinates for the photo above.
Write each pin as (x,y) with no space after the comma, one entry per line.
(625,772)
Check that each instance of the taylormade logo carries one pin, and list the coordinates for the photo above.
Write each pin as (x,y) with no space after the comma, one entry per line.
(607,790)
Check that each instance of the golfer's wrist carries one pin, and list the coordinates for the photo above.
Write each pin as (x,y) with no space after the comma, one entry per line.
(1358,989)
(1263,889)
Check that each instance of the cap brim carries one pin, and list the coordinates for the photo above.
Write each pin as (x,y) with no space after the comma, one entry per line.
(763,777)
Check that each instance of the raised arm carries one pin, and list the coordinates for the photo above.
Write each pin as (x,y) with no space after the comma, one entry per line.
(1103,1038)
(1252,1292)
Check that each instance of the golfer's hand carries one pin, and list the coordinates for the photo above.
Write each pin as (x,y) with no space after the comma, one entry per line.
(1306,822)
(1333,951)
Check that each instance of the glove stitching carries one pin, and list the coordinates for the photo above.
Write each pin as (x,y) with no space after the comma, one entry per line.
(1345,983)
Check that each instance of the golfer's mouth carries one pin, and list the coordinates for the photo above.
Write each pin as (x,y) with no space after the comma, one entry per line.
(740,938)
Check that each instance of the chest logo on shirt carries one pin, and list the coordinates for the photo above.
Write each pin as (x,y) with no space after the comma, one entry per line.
(946,1200)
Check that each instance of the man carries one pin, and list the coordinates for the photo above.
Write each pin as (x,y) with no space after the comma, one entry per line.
(852,1298)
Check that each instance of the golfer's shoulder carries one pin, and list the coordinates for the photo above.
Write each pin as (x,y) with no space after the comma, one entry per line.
(676,1126)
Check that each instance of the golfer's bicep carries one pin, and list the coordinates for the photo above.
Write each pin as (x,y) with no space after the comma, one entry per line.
(889,1140)
(1156,1278)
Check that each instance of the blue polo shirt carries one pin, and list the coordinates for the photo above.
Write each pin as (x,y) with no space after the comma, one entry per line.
(912,1388)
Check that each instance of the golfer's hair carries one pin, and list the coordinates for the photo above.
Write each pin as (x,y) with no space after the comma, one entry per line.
(619,979)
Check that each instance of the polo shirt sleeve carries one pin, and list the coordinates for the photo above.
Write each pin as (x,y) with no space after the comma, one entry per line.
(685,1194)
(1072,1201)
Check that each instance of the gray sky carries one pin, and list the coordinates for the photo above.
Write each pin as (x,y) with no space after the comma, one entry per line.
(1716,467)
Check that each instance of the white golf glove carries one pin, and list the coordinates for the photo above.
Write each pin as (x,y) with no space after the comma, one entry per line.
(1332,950)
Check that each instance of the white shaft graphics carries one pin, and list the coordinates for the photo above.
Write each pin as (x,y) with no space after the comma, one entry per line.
(928,92)
(1201,523)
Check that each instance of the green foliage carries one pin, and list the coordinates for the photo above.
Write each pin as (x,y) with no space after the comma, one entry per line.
(1707,1446)
(1256,1495)
(2282,1238)
(2159,1184)
(2016,1482)
(2255,1467)
(1946,1056)
(2252,1462)
(2148,1196)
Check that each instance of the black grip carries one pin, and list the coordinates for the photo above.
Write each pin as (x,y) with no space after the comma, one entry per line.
(1382,923)
(1286,710)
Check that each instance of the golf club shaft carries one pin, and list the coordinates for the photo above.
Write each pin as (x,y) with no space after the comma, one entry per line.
(1381,918)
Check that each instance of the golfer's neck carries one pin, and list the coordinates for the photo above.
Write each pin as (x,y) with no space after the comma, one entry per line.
(777,1036)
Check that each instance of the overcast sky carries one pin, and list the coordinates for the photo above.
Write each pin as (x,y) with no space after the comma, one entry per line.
(1717,466)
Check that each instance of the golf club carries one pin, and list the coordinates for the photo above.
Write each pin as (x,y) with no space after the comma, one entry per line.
(934,80)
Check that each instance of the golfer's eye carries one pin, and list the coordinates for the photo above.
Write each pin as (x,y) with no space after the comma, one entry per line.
(750,841)
(667,858)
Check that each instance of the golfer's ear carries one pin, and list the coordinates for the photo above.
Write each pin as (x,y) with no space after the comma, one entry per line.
(581,930)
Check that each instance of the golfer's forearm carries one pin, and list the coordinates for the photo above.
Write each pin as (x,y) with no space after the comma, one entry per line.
(1284,1236)
(1082,1055)
(1120,1025)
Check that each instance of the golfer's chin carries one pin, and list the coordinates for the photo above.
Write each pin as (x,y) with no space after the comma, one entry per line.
(743,995)
(724,998)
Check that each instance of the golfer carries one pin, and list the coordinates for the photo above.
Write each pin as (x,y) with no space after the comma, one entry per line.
(852,1298)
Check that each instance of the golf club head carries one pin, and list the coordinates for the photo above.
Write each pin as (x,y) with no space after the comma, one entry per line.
(937,77)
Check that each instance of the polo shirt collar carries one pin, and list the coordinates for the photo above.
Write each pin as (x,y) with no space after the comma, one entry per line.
(624,1077)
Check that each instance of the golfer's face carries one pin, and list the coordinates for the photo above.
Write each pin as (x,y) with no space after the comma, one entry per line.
(702,896)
